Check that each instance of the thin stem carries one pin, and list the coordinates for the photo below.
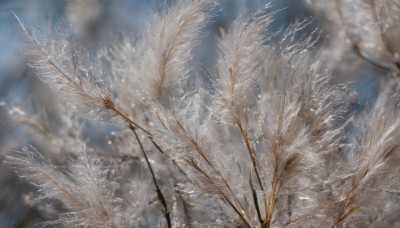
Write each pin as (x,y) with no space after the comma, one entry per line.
(251,152)
(276,183)
(255,199)
(160,196)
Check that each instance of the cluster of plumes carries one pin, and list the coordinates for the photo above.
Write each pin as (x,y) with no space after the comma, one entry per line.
(261,139)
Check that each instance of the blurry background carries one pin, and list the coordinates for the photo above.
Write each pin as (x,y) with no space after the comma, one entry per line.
(95,23)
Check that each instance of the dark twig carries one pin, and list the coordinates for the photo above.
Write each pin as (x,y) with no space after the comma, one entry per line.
(160,196)
(253,190)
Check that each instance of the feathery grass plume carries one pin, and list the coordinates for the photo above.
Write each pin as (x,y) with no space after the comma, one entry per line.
(293,140)
(166,48)
(294,119)
(242,49)
(61,64)
(83,190)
